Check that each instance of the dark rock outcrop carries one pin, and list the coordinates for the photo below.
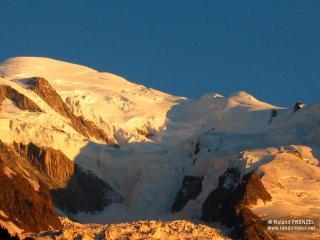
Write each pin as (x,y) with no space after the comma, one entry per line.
(190,189)
(230,179)
(52,163)
(27,207)
(2,93)
(5,235)
(20,100)
(251,190)
(73,189)
(299,105)
(85,127)
(273,114)
(84,192)
(228,204)
(197,148)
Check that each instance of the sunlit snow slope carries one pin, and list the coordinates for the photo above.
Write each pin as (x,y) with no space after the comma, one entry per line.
(127,111)
(161,139)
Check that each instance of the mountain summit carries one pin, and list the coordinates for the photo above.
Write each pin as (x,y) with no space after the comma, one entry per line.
(112,156)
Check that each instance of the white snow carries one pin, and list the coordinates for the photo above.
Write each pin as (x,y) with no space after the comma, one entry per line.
(110,101)
(158,132)
(291,175)
(294,185)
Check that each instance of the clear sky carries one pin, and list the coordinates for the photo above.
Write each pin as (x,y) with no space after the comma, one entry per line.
(270,48)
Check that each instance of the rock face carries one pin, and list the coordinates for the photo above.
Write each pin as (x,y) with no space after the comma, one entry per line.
(2,93)
(229,203)
(299,105)
(20,100)
(4,234)
(43,176)
(73,189)
(85,192)
(190,189)
(26,201)
(85,127)
(52,163)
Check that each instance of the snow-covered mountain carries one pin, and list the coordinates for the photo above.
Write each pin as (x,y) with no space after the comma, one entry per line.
(142,154)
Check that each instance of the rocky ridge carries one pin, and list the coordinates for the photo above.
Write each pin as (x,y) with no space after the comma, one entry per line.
(32,209)
(20,100)
(86,127)
(229,205)
(73,189)
(45,177)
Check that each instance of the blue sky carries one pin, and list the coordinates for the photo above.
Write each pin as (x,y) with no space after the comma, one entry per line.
(270,48)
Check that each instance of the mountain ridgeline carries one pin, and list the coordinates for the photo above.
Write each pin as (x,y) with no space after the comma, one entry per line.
(89,155)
